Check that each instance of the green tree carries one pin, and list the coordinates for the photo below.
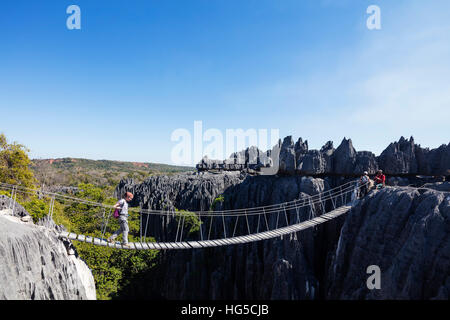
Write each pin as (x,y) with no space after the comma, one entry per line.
(191,222)
(15,164)
(220,199)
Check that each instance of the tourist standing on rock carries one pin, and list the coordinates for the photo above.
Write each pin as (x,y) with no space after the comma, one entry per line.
(380,179)
(364,183)
(122,205)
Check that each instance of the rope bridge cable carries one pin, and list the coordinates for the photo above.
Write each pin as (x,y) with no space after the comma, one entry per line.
(245,211)
(280,208)
(105,219)
(242,211)
(337,199)
(236,212)
(251,211)
(14,198)
(248,211)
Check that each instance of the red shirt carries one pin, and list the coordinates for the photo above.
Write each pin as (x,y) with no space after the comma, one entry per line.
(381,178)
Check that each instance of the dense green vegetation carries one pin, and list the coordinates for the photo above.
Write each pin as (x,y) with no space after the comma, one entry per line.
(191,223)
(14,163)
(219,199)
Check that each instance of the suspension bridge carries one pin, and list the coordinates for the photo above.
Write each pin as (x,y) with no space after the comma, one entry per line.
(255,224)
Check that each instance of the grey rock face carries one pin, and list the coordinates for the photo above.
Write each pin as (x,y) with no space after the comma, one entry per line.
(327,152)
(34,265)
(17,209)
(440,160)
(251,158)
(287,156)
(406,157)
(301,148)
(62,189)
(434,162)
(314,162)
(347,161)
(399,158)
(188,191)
(344,158)
(440,186)
(404,232)
(365,161)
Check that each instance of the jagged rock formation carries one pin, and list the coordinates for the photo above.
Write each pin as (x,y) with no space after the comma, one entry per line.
(35,264)
(435,161)
(188,191)
(439,186)
(399,158)
(313,162)
(402,230)
(251,158)
(62,189)
(16,209)
(406,157)
(287,156)
(407,234)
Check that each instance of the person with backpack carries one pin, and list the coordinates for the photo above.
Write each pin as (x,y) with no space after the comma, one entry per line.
(121,210)
(380,180)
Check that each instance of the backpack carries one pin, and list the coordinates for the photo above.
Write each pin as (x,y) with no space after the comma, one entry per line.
(117,212)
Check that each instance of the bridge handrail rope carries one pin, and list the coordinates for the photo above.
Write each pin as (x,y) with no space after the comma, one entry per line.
(350,186)
(163,212)
(306,202)
(318,198)
(353,182)
(272,208)
(58,195)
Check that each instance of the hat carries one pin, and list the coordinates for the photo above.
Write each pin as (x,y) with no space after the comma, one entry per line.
(365,172)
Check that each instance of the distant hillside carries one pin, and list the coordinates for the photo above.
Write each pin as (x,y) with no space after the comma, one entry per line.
(71,171)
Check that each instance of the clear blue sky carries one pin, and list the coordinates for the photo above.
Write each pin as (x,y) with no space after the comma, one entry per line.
(138,70)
